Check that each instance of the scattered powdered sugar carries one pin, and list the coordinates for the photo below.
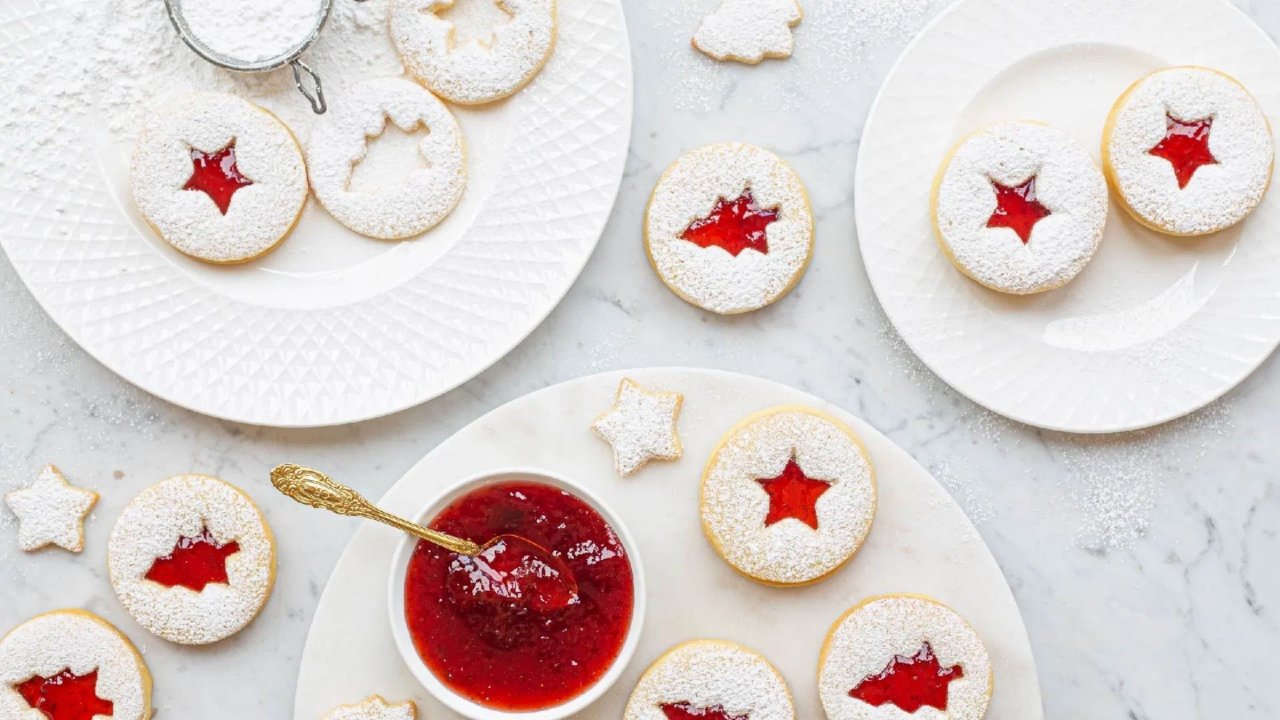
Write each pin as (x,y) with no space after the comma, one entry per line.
(711,277)
(81,642)
(749,30)
(415,203)
(1067,183)
(150,527)
(735,506)
(51,512)
(869,636)
(252,31)
(708,674)
(477,71)
(260,215)
(374,708)
(641,426)
(1219,195)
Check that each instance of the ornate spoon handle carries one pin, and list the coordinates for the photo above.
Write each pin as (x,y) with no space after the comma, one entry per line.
(314,488)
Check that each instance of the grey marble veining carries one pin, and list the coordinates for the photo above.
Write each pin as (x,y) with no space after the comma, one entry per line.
(1145,564)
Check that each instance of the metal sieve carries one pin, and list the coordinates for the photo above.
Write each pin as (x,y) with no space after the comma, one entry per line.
(311,87)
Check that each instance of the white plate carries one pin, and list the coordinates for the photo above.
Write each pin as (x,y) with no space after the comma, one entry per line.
(921,542)
(332,327)
(1155,327)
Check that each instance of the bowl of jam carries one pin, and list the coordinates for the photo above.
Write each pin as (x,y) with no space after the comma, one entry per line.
(539,632)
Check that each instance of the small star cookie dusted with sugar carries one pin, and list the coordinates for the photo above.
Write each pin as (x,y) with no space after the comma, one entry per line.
(51,511)
(641,426)
(748,31)
(374,708)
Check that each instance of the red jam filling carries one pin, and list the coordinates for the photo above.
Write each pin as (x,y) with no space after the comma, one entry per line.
(910,682)
(512,571)
(1017,209)
(521,655)
(216,175)
(1186,147)
(736,226)
(66,696)
(688,711)
(793,495)
(194,563)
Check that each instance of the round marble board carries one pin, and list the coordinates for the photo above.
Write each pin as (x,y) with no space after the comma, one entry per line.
(921,542)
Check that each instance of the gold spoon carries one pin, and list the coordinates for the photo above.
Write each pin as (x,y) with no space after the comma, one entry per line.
(550,582)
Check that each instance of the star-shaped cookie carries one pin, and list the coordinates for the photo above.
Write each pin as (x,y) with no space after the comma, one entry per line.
(51,511)
(374,708)
(641,426)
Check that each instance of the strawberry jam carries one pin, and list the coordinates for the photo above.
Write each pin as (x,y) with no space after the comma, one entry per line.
(194,563)
(66,696)
(793,495)
(689,711)
(910,682)
(1018,209)
(216,175)
(1186,147)
(735,225)
(521,653)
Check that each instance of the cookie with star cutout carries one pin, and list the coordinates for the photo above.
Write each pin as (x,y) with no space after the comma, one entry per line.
(1188,151)
(710,680)
(374,707)
(1019,207)
(641,426)
(788,496)
(219,178)
(69,665)
(729,228)
(51,511)
(748,31)
(897,656)
(192,559)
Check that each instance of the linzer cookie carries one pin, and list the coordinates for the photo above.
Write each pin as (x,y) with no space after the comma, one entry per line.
(748,31)
(641,426)
(374,708)
(51,511)
(710,680)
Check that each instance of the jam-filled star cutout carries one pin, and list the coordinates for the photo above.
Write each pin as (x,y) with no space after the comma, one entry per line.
(1185,146)
(194,563)
(735,225)
(217,175)
(66,696)
(1017,208)
(910,682)
(793,494)
(689,711)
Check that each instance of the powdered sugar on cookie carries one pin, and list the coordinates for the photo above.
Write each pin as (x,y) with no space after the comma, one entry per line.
(477,71)
(737,506)
(1220,193)
(641,426)
(712,277)
(1037,164)
(238,138)
(374,708)
(153,525)
(79,643)
(51,511)
(868,637)
(749,30)
(705,674)
(340,140)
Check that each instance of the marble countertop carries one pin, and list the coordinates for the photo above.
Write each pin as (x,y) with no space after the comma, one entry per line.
(1144,563)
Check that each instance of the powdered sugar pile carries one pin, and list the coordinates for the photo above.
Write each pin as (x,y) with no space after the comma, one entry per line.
(749,30)
(374,708)
(868,638)
(252,31)
(641,426)
(734,506)
(712,673)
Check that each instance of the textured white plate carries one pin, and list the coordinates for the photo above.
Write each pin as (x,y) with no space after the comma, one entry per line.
(332,327)
(921,542)
(1155,327)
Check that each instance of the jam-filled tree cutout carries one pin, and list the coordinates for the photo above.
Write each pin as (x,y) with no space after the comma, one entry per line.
(217,175)
(194,563)
(1017,208)
(793,495)
(910,682)
(1185,146)
(734,225)
(689,711)
(66,696)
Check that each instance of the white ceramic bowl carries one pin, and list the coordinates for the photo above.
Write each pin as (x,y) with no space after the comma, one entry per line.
(400,629)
